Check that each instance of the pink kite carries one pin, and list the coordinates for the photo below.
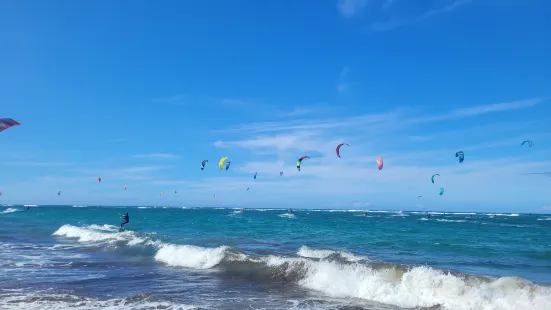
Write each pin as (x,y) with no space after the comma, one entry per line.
(380,163)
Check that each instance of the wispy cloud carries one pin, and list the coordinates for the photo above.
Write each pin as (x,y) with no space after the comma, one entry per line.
(409,163)
(385,15)
(157,156)
(497,107)
(175,99)
(403,21)
(481,110)
(284,142)
(393,119)
(342,83)
(349,8)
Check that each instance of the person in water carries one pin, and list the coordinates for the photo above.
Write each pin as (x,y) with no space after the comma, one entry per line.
(126,220)
(290,211)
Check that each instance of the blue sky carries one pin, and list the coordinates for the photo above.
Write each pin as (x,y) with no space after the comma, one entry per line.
(140,93)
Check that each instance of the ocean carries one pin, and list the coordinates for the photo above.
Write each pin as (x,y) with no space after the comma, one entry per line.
(75,257)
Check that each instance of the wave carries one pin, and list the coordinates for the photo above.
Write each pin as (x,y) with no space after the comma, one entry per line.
(545,219)
(52,301)
(288,215)
(502,214)
(340,274)
(455,221)
(9,210)
(102,234)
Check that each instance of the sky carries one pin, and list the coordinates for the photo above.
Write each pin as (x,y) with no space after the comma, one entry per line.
(139,93)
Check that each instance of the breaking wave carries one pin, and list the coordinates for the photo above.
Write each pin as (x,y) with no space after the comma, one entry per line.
(338,274)
(9,210)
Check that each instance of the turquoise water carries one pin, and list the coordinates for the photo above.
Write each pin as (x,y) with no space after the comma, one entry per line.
(173,258)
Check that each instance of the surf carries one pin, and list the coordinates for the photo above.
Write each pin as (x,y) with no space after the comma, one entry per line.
(336,273)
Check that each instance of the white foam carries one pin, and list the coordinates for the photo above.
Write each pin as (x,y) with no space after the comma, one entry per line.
(445,220)
(288,215)
(95,234)
(45,301)
(353,278)
(192,256)
(418,287)
(545,219)
(9,210)
(306,251)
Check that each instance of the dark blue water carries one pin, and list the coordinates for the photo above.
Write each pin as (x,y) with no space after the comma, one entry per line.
(168,258)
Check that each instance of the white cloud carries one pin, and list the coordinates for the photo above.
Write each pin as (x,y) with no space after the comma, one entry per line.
(342,83)
(393,119)
(385,15)
(314,124)
(157,156)
(497,107)
(488,177)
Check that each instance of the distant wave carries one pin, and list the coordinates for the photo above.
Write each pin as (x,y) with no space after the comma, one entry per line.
(337,273)
(455,221)
(9,210)
(288,215)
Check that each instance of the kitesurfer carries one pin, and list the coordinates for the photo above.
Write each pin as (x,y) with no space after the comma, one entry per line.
(126,220)
(290,211)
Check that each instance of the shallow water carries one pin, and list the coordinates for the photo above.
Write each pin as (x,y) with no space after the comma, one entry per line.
(175,258)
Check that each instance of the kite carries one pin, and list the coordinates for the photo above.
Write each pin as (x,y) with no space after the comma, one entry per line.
(461,156)
(299,161)
(6,123)
(380,163)
(527,141)
(221,163)
(203,164)
(339,149)
(432,178)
